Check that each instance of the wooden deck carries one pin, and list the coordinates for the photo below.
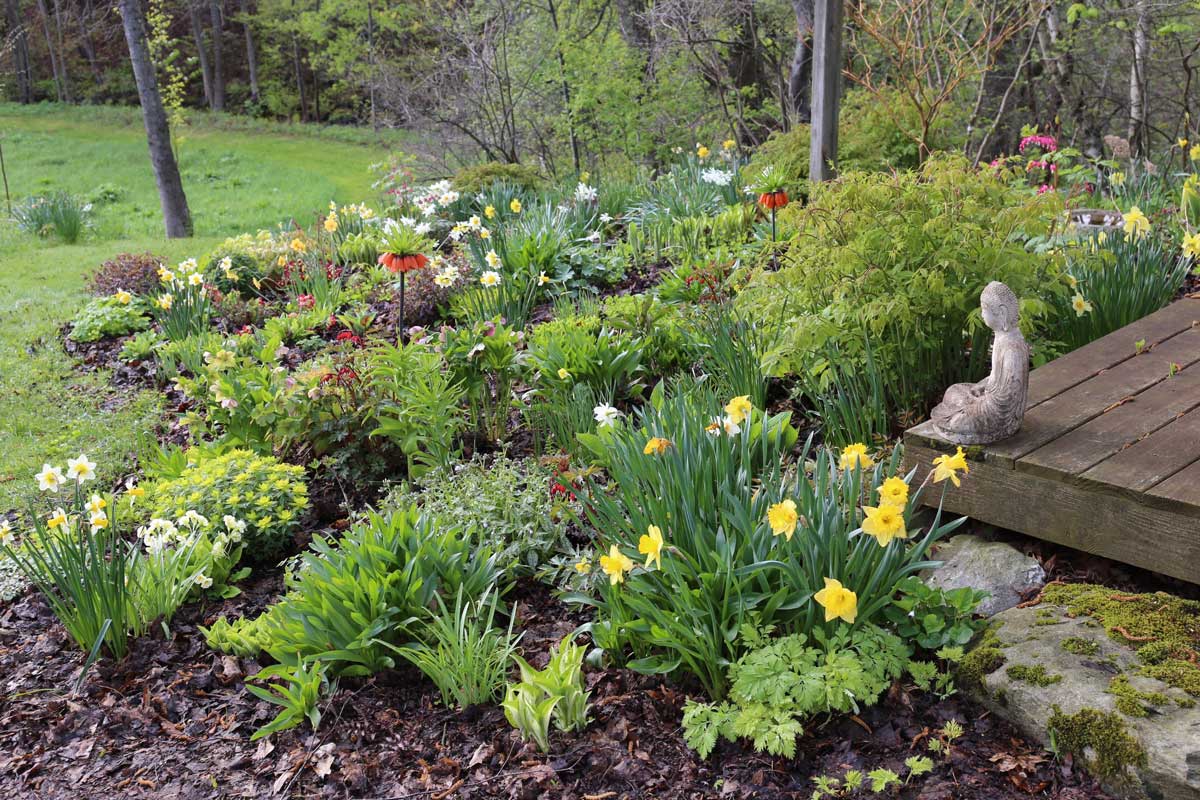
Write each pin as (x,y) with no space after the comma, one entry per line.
(1108,457)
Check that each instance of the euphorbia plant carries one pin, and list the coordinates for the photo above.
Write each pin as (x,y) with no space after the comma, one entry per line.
(402,250)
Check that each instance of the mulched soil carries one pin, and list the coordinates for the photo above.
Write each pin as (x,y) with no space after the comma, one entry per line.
(173,721)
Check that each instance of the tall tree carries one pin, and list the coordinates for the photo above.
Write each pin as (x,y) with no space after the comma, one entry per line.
(177,219)
(800,72)
(218,45)
(251,52)
(201,52)
(56,65)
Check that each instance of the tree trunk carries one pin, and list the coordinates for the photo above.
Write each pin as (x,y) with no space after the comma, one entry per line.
(826,89)
(176,217)
(800,74)
(218,45)
(55,66)
(202,54)
(299,78)
(86,17)
(62,51)
(20,51)
(1138,144)
(251,54)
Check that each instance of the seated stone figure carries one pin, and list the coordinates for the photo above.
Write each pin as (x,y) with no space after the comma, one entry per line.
(979,413)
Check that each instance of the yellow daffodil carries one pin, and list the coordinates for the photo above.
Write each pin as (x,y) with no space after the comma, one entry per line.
(135,493)
(1191,245)
(165,301)
(1072,281)
(855,455)
(615,565)
(838,601)
(515,206)
(298,245)
(484,233)
(583,566)
(728,144)
(1194,153)
(81,470)
(98,521)
(50,478)
(1080,305)
(893,492)
(1137,224)
(165,275)
(656,445)
(331,223)
(782,518)
(1183,143)
(6,533)
(57,520)
(490,212)
(563,374)
(583,176)
(949,467)
(884,522)
(739,409)
(650,545)
(1117,179)
(701,151)
(123,297)
(543,279)
(96,504)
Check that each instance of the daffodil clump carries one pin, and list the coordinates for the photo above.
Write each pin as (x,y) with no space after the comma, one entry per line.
(707,527)
(270,497)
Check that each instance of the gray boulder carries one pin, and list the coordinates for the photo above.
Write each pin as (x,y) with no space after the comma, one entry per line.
(999,569)
(1041,669)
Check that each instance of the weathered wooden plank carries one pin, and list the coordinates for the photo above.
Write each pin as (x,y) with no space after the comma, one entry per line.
(1153,459)
(1182,487)
(1067,411)
(1085,362)
(1083,448)
(1164,538)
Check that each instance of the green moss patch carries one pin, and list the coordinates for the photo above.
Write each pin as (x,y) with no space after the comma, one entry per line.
(1080,646)
(1113,748)
(1035,674)
(985,658)
(1132,702)
(1163,628)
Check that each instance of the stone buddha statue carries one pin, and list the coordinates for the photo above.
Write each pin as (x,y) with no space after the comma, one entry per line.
(984,412)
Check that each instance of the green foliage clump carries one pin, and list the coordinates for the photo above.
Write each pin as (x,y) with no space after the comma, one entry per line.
(243,637)
(260,490)
(555,693)
(480,177)
(900,260)
(107,316)
(1133,702)
(775,686)
(352,600)
(1035,674)
(934,618)
(503,503)
(1101,733)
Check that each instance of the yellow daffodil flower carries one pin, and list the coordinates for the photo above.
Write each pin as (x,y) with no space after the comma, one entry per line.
(701,151)
(583,566)
(893,492)
(563,374)
(1191,245)
(838,601)
(650,545)
(1137,224)
(1117,179)
(98,521)
(1194,153)
(728,144)
(331,223)
(855,455)
(739,409)
(615,565)
(57,520)
(949,467)
(1183,143)
(490,212)
(123,297)
(96,504)
(515,206)
(782,518)
(543,279)
(656,445)
(884,522)
(165,301)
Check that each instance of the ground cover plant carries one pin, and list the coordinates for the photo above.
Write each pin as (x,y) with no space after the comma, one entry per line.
(521,453)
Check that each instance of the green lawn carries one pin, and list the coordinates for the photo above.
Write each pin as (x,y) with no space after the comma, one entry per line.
(236,180)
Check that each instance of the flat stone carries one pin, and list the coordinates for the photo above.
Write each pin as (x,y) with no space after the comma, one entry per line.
(1074,681)
(999,569)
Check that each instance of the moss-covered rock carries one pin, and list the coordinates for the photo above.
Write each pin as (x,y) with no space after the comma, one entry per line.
(1032,673)
(1099,738)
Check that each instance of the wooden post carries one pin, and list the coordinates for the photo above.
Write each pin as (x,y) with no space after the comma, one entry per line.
(4,172)
(826,88)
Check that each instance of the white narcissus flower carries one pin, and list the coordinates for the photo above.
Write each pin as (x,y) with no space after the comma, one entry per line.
(422,228)
(717,177)
(81,470)
(490,278)
(606,415)
(492,259)
(203,581)
(585,193)
(50,478)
